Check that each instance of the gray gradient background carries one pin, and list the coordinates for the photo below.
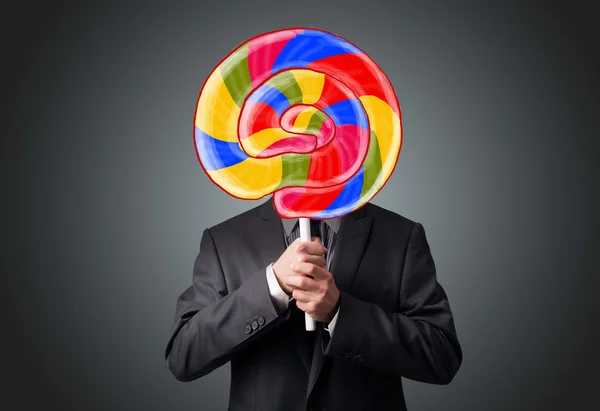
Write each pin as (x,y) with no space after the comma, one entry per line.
(109,201)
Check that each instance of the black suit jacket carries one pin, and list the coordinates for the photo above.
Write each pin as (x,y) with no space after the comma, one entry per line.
(394,319)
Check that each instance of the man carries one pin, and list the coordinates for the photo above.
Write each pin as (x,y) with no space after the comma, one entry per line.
(381,314)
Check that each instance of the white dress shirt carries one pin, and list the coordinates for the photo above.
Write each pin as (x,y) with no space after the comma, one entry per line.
(280,299)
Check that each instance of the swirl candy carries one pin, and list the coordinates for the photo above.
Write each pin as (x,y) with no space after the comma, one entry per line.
(302,114)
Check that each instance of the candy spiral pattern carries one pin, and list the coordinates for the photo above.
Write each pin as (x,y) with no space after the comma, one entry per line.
(302,114)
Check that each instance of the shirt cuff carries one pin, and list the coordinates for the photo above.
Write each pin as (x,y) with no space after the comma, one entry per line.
(329,327)
(280,299)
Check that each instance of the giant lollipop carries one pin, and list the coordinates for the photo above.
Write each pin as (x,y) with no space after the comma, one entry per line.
(304,115)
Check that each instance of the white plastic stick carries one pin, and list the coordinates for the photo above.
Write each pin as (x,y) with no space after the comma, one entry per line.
(305,236)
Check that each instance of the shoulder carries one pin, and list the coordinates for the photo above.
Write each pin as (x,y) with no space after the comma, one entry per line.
(393,227)
(389,218)
(237,224)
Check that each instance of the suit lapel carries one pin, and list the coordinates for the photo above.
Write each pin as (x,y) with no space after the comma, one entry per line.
(272,245)
(350,243)
(270,235)
(351,239)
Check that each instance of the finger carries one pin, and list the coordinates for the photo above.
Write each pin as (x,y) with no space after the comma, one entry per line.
(312,259)
(309,269)
(311,247)
(303,282)
(317,272)
(304,296)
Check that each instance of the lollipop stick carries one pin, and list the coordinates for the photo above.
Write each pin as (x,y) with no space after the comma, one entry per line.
(305,236)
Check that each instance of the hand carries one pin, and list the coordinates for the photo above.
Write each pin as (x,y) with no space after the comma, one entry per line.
(314,290)
(301,252)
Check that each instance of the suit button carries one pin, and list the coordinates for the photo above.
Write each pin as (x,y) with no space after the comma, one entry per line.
(254,325)
(261,321)
(346,353)
(248,329)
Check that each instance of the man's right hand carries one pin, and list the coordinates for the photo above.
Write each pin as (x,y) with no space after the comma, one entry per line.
(303,251)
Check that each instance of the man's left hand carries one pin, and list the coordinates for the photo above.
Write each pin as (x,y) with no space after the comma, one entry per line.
(316,293)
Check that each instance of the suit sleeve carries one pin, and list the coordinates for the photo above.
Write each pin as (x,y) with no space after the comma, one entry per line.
(213,324)
(418,341)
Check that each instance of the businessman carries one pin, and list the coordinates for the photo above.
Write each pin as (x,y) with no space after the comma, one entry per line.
(368,279)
